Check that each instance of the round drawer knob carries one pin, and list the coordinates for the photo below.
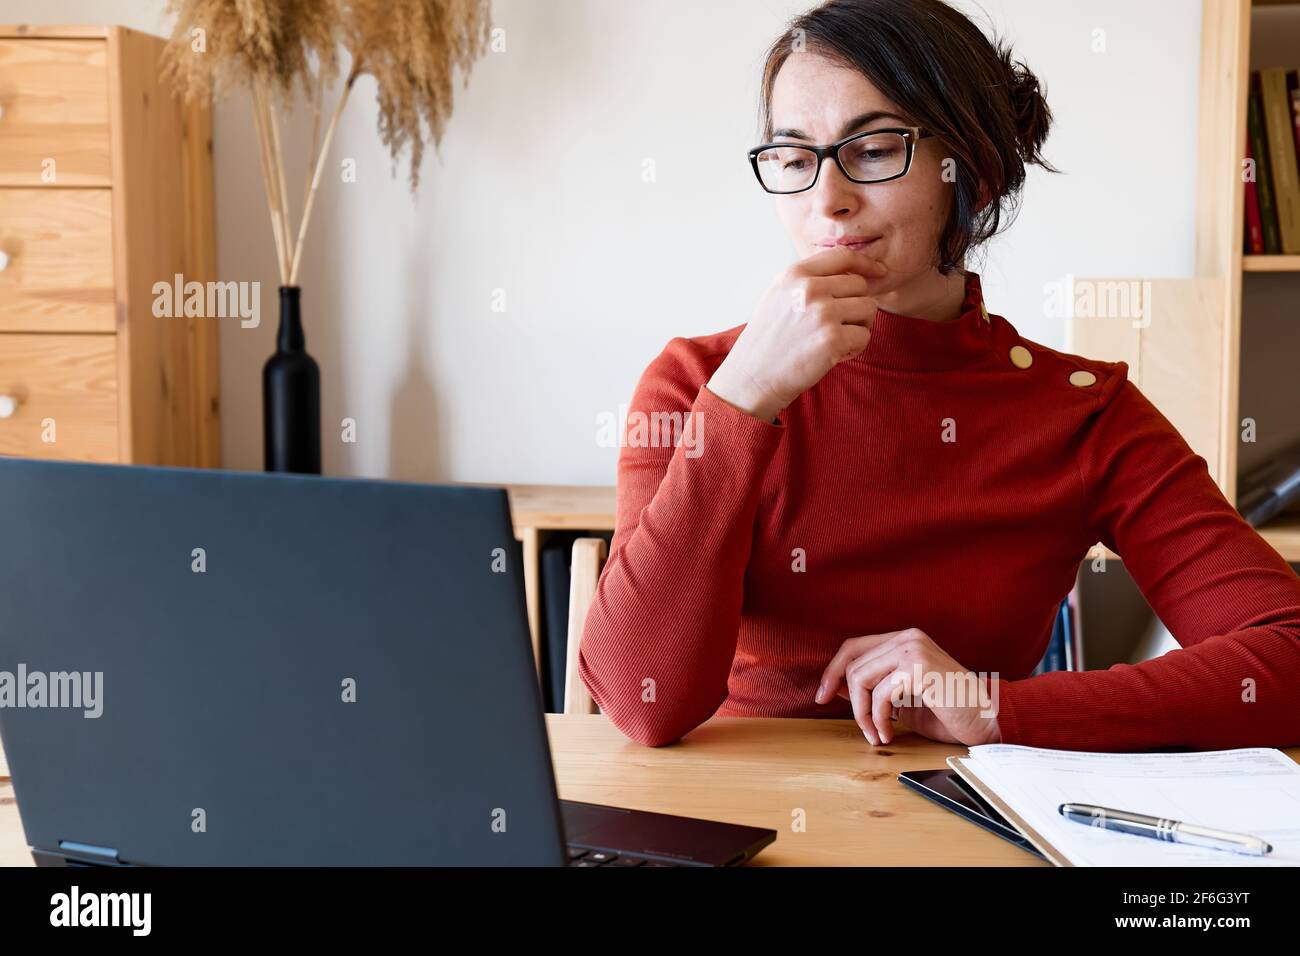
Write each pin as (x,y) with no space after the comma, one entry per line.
(8,405)
(4,260)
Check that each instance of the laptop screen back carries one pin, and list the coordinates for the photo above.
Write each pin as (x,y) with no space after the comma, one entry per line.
(269,669)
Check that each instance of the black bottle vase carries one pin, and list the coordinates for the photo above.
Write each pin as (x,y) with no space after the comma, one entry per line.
(291,396)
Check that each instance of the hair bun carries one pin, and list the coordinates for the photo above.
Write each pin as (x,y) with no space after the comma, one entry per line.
(1033,116)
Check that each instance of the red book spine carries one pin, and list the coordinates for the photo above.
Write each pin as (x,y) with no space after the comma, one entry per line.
(1254,225)
(1293,86)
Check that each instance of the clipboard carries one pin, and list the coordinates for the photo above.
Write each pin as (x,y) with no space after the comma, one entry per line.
(962,768)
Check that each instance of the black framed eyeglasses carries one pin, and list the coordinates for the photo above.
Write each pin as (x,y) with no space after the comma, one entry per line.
(876,156)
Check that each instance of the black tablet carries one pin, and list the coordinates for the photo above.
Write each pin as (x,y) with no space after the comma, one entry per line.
(950,791)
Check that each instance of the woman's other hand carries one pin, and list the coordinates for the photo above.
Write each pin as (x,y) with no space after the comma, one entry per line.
(905,671)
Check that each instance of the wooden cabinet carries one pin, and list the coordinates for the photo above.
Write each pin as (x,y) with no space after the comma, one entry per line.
(105,190)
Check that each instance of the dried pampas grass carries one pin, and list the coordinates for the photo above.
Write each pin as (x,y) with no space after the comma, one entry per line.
(412,48)
(220,44)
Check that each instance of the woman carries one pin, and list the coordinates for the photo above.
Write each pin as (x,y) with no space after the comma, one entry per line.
(891,491)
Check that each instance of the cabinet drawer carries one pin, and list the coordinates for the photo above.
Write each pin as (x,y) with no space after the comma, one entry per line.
(62,387)
(56,260)
(54,94)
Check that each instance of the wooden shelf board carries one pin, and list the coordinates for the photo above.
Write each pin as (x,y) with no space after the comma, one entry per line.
(1271,263)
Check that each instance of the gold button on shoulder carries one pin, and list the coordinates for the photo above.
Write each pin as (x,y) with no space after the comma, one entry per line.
(1082,378)
(1021,357)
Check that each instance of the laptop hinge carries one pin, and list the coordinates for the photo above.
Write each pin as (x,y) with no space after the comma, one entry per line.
(88,853)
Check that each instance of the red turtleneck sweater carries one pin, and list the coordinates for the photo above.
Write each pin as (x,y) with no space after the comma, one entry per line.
(937,480)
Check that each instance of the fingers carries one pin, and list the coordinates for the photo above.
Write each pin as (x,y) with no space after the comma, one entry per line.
(883,661)
(854,647)
(859,310)
(882,705)
(855,319)
(872,670)
(877,660)
(853,339)
(839,261)
(861,697)
(898,673)
(841,286)
(833,675)
(880,671)
(874,694)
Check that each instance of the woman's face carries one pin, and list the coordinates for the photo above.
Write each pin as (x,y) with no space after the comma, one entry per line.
(824,102)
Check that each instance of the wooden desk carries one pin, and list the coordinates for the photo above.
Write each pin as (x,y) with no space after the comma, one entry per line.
(13,846)
(759,771)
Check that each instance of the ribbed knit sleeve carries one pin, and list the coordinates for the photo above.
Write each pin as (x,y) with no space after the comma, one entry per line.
(1229,599)
(661,634)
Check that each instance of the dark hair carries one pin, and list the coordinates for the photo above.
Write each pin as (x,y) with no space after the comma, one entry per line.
(948,77)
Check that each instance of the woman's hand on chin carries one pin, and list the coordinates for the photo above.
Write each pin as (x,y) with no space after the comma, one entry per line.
(906,673)
(815,315)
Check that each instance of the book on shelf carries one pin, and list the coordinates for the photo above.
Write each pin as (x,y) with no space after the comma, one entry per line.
(1263,179)
(1272,206)
(1281,143)
(1254,224)
(1293,86)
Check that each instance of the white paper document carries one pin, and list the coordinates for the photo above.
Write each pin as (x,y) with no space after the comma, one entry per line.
(1254,791)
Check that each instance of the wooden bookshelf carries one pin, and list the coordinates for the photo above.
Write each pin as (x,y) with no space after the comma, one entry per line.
(1227,46)
(1273,37)
(1188,357)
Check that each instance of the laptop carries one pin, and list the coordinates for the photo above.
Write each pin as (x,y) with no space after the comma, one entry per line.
(217,668)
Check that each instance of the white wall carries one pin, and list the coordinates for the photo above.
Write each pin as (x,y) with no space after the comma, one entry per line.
(539,191)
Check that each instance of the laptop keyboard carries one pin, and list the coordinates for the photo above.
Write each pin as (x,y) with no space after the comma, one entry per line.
(581,856)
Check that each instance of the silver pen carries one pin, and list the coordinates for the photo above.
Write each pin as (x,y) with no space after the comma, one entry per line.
(1160,828)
